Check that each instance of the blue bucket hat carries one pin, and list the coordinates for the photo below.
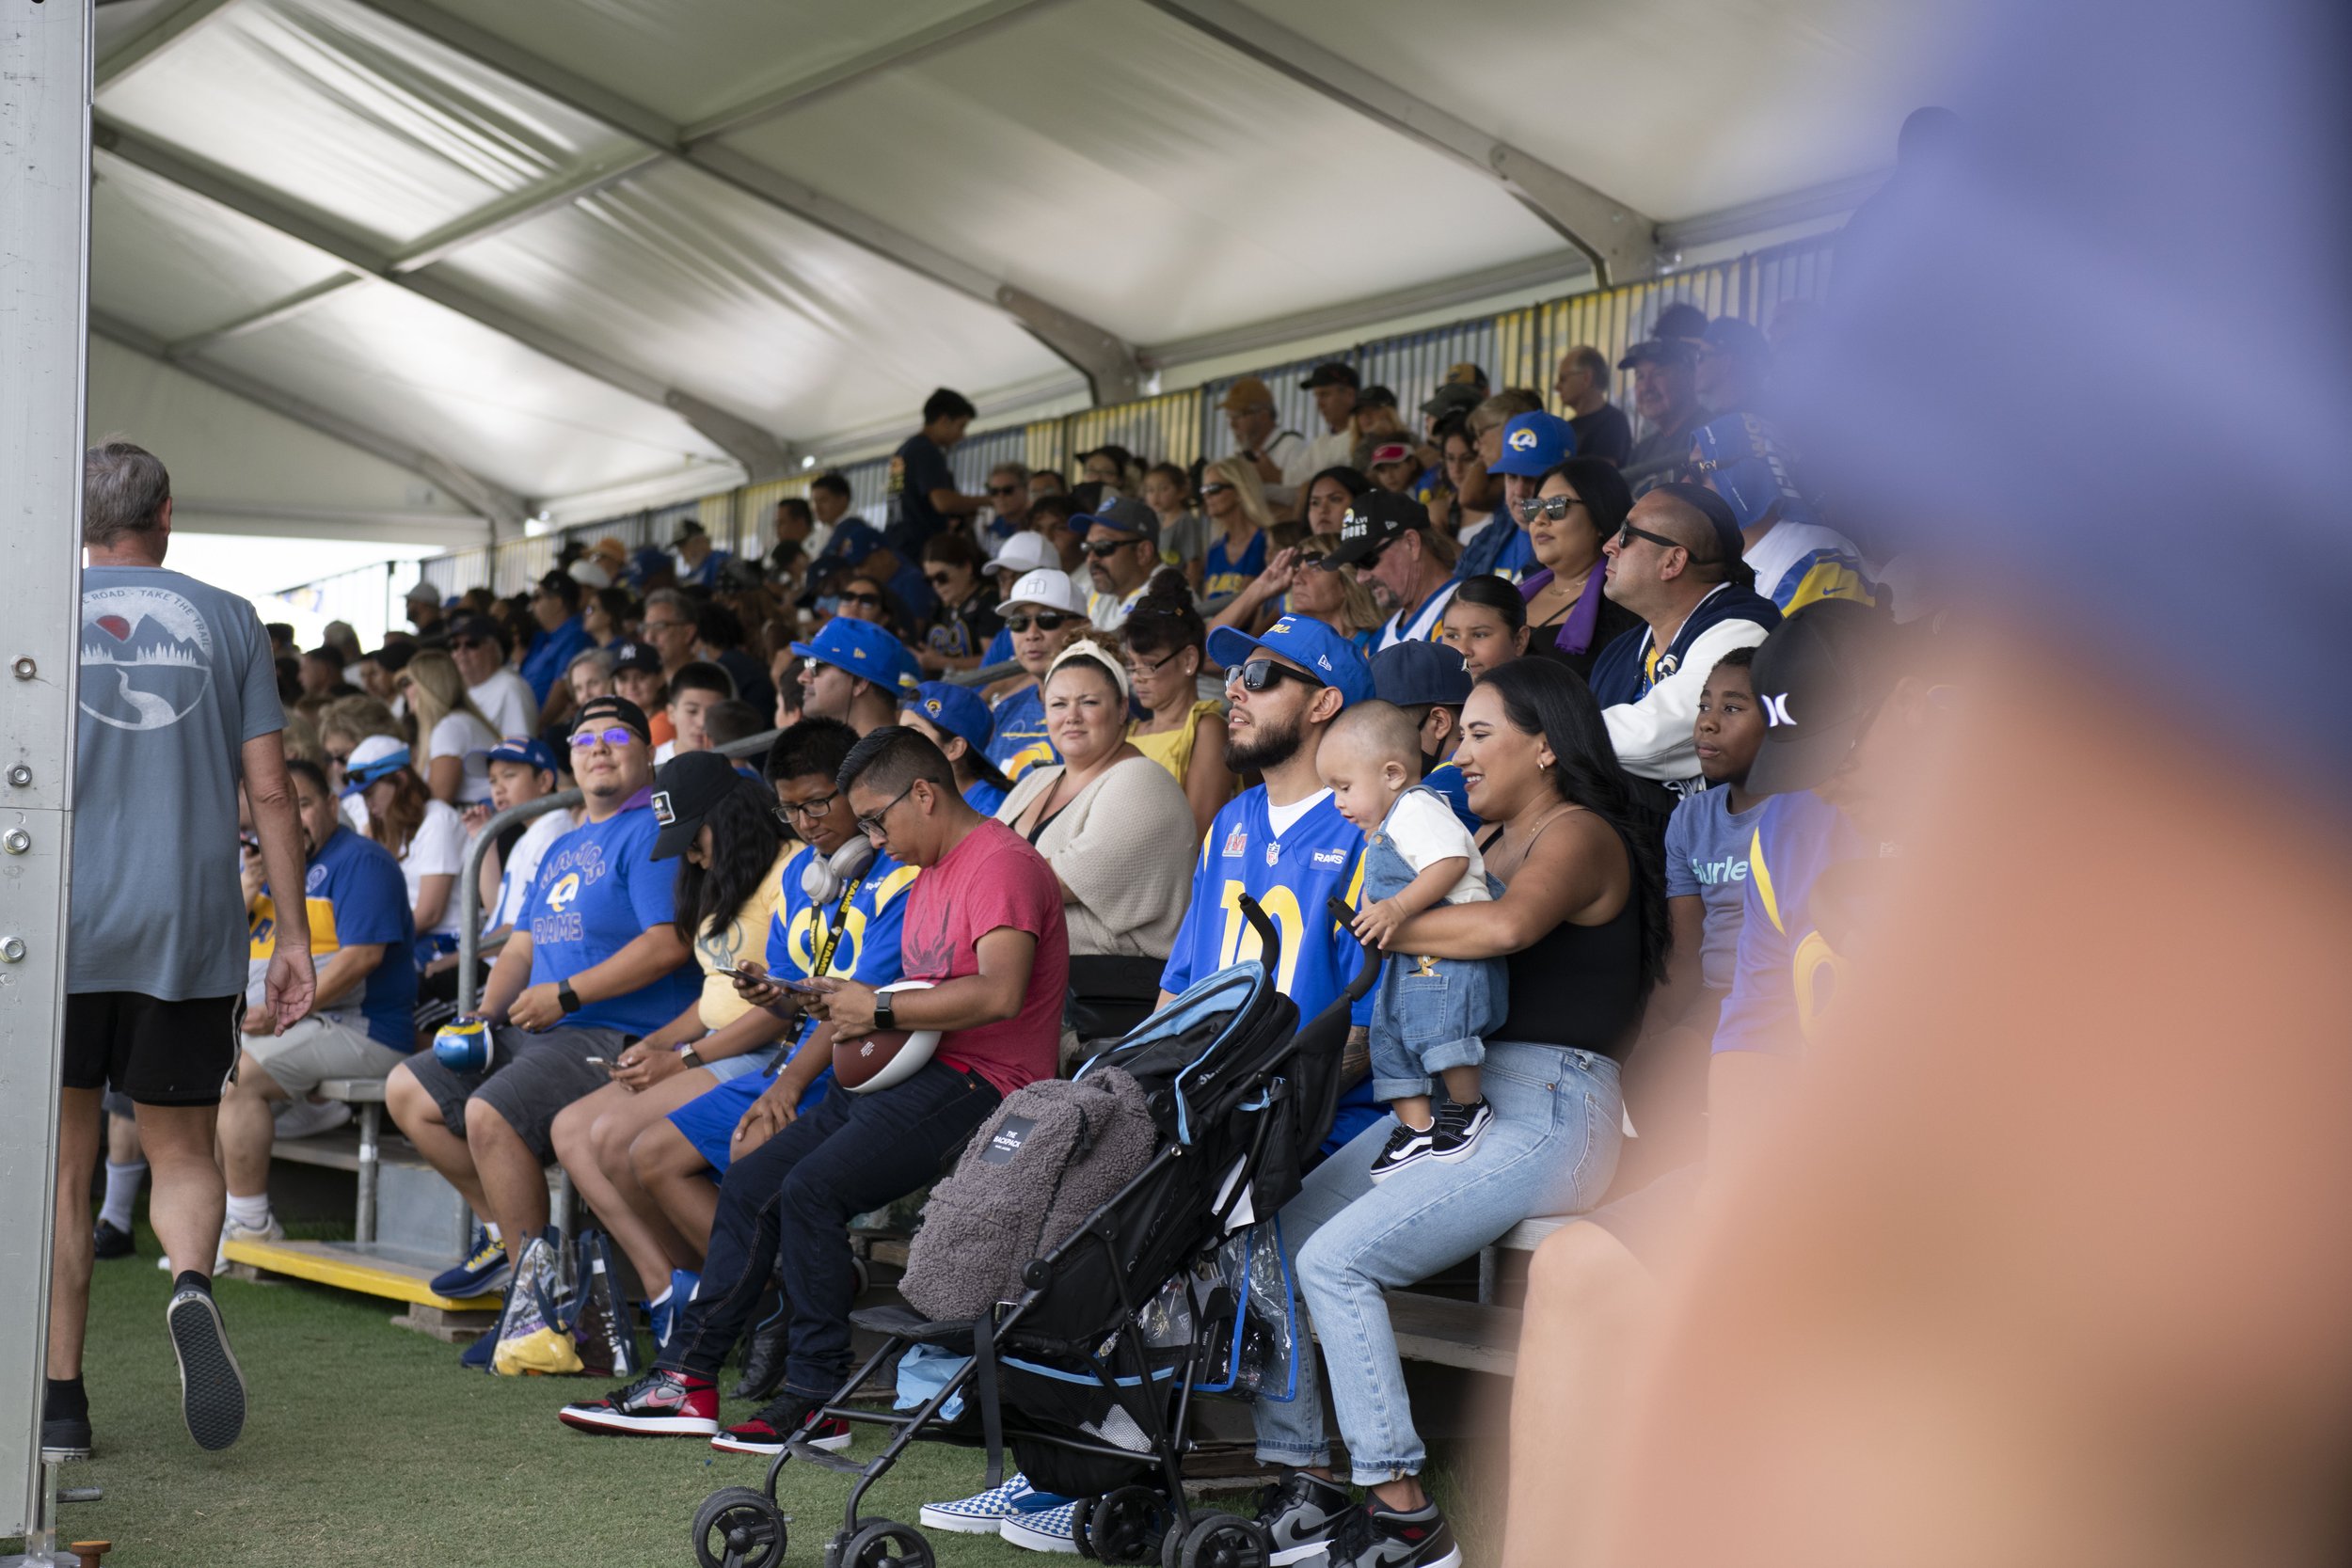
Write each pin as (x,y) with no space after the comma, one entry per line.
(1739,457)
(1305,642)
(1534,444)
(956,710)
(864,649)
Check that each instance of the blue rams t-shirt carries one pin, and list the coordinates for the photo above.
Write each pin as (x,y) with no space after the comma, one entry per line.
(1321,857)
(357,897)
(1019,743)
(554,654)
(1223,576)
(984,797)
(1707,859)
(598,891)
(865,949)
(1787,972)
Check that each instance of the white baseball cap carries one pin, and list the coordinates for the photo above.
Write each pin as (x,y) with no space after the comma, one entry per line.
(1025,552)
(1048,588)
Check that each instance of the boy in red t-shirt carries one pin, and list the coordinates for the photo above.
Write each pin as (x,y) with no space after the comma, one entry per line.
(984,923)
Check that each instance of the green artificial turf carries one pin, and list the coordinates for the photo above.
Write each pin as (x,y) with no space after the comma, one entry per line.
(367,1444)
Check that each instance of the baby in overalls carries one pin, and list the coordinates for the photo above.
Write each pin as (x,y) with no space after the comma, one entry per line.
(1432,1015)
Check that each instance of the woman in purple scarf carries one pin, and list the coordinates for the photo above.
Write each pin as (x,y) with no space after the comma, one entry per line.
(1578,506)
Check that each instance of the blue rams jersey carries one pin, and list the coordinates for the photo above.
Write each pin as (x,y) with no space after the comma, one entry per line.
(867,949)
(1322,857)
(1222,574)
(1786,975)
(356,898)
(1019,742)
(598,889)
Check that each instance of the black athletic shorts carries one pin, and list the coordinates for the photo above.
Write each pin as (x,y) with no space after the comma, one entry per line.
(158,1053)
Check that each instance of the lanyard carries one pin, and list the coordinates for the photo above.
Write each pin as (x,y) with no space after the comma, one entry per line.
(823,961)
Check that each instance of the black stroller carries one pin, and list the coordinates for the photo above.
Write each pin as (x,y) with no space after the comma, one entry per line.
(1242,1094)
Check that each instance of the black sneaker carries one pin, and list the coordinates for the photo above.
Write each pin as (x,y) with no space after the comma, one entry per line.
(1298,1513)
(1371,1536)
(108,1241)
(64,1421)
(1407,1145)
(781,1421)
(1459,1128)
(662,1403)
(212,1385)
(763,1362)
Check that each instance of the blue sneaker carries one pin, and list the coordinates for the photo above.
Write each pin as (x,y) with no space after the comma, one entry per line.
(1044,1529)
(485,1271)
(663,1316)
(983,1512)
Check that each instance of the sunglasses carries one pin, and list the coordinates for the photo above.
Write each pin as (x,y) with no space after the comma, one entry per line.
(1317,559)
(1044,620)
(937,579)
(1004,489)
(1261,674)
(615,737)
(1102,550)
(874,600)
(1552,507)
(1628,532)
(1215,489)
(467,643)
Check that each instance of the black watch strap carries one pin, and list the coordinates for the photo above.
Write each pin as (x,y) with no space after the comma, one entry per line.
(884,1019)
(567,997)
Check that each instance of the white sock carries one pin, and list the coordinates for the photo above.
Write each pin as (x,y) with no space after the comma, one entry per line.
(250,1212)
(492,1231)
(122,1190)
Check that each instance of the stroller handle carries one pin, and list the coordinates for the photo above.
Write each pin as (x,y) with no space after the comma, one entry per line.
(1368,972)
(1269,934)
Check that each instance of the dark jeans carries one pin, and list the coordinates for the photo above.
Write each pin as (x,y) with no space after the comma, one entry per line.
(788,1204)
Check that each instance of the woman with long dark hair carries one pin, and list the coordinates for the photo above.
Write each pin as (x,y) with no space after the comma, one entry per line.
(1578,507)
(731,849)
(1582,926)
(1180,730)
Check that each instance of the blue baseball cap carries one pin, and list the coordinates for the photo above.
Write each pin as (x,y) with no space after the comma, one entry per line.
(1417,671)
(1305,642)
(957,710)
(1534,444)
(853,540)
(864,649)
(525,748)
(1126,516)
(1739,457)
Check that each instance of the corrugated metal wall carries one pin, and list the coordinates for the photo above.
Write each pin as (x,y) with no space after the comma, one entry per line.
(1518,348)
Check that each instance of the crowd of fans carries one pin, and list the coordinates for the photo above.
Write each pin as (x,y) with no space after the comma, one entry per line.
(1510,682)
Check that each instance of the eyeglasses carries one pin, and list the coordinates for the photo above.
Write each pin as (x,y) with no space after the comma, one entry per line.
(1138,669)
(1629,531)
(615,737)
(1044,620)
(1551,507)
(810,811)
(1004,489)
(1214,488)
(874,600)
(651,627)
(869,825)
(1261,674)
(1102,550)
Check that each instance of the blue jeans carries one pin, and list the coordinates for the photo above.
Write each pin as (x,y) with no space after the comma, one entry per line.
(1430,1014)
(1552,1150)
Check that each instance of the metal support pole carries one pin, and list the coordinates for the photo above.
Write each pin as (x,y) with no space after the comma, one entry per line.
(44,271)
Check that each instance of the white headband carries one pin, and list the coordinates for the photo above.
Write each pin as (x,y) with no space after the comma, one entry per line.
(1087,648)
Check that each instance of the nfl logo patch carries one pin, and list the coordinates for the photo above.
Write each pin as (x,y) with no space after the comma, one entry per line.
(1236,842)
(1272,850)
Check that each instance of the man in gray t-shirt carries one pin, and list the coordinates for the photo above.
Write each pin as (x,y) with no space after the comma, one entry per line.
(178,707)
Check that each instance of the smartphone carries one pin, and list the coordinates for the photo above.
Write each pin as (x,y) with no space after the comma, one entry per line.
(754,976)
(807,988)
(600,1062)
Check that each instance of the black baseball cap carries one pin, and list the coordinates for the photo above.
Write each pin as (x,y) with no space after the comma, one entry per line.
(1454,397)
(1373,519)
(685,790)
(640,656)
(1820,677)
(1675,350)
(1375,397)
(1123,516)
(619,709)
(1417,670)
(1333,373)
(1730,545)
(477,628)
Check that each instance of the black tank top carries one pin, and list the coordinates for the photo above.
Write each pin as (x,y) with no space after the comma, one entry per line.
(1580,986)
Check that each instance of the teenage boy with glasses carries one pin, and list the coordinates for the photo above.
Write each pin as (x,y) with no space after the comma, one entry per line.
(595,961)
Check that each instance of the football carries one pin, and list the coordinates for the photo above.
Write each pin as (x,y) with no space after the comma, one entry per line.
(885,1058)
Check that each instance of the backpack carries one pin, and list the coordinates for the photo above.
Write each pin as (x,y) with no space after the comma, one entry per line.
(1054,1152)
(545,1330)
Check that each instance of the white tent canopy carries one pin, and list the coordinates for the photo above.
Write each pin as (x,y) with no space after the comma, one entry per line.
(376,268)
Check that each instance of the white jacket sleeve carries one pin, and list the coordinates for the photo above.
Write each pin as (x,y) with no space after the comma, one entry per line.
(1652,735)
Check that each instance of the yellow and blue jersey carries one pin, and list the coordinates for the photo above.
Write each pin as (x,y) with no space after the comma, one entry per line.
(1787,975)
(1320,858)
(870,917)
(1224,574)
(357,897)
(1798,562)
(1019,742)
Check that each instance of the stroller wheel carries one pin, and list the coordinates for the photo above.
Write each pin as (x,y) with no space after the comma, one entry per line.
(882,1543)
(739,1528)
(1124,1526)
(1223,1541)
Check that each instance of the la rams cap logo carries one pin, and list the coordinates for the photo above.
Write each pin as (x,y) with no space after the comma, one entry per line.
(930,706)
(1522,439)
(1776,712)
(662,809)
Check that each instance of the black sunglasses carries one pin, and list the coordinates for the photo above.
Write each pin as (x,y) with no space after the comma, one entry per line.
(1004,489)
(1628,532)
(937,579)
(1259,673)
(874,600)
(1215,489)
(1102,550)
(1044,620)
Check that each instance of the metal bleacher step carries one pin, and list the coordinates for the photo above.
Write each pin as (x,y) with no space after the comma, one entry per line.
(371,1268)
(340,1150)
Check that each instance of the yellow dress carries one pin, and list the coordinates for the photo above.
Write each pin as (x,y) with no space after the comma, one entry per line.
(1172,749)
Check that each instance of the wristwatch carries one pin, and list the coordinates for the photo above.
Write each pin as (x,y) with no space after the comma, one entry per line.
(882,1011)
(568,998)
(685,1055)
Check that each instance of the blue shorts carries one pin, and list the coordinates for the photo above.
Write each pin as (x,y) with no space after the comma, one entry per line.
(709,1122)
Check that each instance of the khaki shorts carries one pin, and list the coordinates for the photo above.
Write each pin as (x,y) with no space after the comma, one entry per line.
(322,1046)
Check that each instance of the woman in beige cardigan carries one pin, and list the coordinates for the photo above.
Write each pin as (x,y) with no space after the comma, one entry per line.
(1119,832)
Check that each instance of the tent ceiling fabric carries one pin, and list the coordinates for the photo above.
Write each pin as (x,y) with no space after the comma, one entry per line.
(1129,170)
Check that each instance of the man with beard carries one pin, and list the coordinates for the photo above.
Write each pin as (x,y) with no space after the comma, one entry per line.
(1283,842)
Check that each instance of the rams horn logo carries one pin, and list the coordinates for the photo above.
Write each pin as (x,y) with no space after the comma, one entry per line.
(1522,439)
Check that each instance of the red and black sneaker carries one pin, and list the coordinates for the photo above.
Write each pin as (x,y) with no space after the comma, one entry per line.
(662,1403)
(780,1421)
